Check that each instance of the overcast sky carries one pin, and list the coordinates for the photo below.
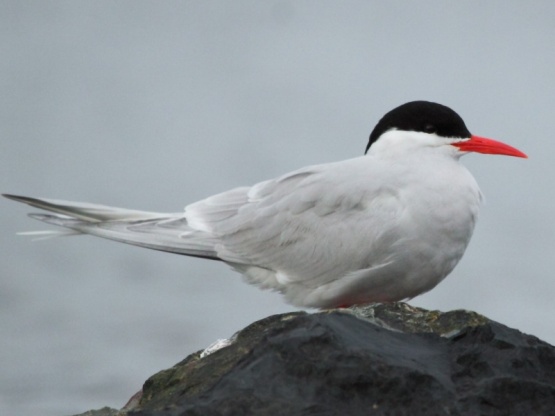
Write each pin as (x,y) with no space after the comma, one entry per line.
(153,105)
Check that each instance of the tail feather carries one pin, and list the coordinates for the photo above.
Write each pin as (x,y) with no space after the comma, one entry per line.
(48,234)
(84,210)
(157,231)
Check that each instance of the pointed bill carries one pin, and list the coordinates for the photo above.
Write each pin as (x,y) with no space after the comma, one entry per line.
(488,146)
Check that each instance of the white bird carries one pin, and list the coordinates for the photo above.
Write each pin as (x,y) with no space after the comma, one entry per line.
(385,226)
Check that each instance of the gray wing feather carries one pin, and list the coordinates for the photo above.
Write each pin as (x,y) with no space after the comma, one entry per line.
(289,225)
(163,234)
(83,210)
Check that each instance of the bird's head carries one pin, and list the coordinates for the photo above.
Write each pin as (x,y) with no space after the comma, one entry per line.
(422,124)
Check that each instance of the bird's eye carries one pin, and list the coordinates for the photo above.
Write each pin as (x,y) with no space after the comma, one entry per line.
(430,128)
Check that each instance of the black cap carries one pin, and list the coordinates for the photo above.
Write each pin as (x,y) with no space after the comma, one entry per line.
(422,116)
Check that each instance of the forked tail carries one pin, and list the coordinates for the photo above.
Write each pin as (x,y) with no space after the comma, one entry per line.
(157,231)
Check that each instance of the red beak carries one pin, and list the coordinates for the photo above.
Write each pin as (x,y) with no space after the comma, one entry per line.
(488,146)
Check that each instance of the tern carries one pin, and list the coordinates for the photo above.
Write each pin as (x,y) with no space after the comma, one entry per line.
(386,226)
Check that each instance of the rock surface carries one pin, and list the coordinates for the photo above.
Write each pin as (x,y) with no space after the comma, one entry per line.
(382,359)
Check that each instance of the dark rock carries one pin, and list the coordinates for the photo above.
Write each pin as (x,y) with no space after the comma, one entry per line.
(383,359)
(105,411)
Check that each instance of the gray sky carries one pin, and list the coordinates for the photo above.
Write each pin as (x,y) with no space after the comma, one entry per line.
(152,105)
